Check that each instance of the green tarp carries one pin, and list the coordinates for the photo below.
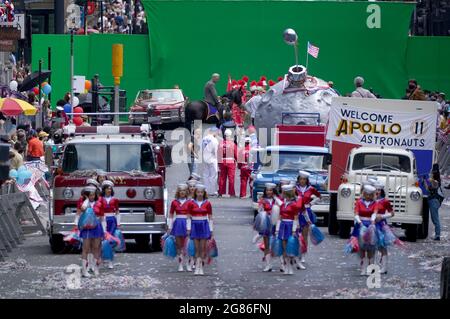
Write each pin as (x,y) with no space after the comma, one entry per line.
(189,40)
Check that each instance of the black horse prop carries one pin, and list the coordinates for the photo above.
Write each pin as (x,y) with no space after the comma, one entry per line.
(200,110)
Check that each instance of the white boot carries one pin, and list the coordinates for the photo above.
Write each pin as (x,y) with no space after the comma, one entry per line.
(197,266)
(202,263)
(95,268)
(302,260)
(268,263)
(363,267)
(384,263)
(190,264)
(180,263)
(282,265)
(90,262)
(291,266)
(299,264)
(371,262)
(109,264)
(84,268)
(287,264)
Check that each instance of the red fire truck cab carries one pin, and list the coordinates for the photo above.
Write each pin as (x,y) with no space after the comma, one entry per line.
(132,162)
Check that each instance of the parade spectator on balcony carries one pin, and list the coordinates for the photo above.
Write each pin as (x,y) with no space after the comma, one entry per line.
(360,91)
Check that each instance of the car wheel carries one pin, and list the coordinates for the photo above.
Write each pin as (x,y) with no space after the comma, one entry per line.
(344,229)
(57,244)
(423,228)
(142,241)
(333,226)
(445,278)
(411,232)
(156,242)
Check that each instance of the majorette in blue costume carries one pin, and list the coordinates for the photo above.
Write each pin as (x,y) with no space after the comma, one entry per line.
(309,196)
(287,223)
(385,211)
(178,220)
(201,227)
(111,208)
(265,221)
(92,235)
(366,209)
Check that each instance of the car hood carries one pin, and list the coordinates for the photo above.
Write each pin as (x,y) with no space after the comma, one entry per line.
(318,179)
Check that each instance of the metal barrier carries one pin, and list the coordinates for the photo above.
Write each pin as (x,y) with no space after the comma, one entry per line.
(443,150)
(17,218)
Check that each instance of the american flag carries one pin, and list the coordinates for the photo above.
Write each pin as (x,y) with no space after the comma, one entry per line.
(313,50)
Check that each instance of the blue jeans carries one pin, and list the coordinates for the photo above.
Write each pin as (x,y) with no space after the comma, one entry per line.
(434,205)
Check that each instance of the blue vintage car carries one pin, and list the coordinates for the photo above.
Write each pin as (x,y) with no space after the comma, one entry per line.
(276,162)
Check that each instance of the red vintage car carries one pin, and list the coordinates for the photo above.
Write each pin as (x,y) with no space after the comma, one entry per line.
(166,104)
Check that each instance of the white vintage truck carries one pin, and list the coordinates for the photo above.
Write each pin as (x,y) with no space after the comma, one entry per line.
(390,140)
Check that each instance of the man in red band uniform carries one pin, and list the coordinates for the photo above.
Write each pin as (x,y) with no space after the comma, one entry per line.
(245,167)
(227,156)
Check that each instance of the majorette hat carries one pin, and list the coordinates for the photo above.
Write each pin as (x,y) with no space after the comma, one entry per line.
(91,181)
(303,174)
(379,185)
(280,78)
(245,79)
(182,186)
(90,189)
(195,176)
(263,79)
(261,86)
(192,183)
(253,86)
(270,185)
(287,188)
(107,183)
(234,84)
(241,83)
(369,189)
(200,187)
(272,83)
(285,180)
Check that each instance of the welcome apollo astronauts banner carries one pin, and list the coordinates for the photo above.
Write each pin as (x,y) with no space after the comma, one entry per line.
(368,127)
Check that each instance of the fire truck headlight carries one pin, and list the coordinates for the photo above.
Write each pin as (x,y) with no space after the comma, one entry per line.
(346,192)
(149,193)
(68,193)
(415,196)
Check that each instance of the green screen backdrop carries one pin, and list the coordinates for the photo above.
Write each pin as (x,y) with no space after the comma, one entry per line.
(189,40)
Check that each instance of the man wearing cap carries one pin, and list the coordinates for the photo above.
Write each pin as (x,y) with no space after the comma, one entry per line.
(210,95)
(245,168)
(210,145)
(360,91)
(227,157)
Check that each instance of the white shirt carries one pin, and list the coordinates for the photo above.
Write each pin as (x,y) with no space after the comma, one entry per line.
(252,105)
(210,147)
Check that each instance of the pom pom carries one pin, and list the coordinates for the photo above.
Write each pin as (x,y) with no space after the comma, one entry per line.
(170,249)
(316,235)
(241,82)
(211,248)
(271,83)
(276,246)
(303,247)
(352,245)
(88,220)
(280,78)
(263,78)
(292,246)
(245,78)
(107,252)
(121,247)
(190,247)
(262,222)
(253,83)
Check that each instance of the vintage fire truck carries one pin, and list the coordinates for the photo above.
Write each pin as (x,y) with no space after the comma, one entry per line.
(132,161)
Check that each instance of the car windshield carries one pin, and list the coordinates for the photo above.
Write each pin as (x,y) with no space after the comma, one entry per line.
(108,157)
(294,161)
(381,162)
(161,96)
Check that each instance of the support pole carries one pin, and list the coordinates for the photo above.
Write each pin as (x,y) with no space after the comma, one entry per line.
(101,15)
(40,94)
(71,72)
(117,72)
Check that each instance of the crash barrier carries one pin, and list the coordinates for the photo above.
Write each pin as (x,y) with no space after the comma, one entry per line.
(17,218)
(443,149)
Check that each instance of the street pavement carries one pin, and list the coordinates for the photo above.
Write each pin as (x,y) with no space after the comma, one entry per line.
(32,271)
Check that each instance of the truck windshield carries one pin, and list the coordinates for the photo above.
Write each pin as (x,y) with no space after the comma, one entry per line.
(294,161)
(382,162)
(108,157)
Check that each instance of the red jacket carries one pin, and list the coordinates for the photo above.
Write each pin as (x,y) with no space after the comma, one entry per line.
(265,204)
(178,208)
(243,156)
(99,209)
(112,207)
(35,147)
(200,211)
(290,209)
(384,205)
(227,152)
(364,211)
(307,194)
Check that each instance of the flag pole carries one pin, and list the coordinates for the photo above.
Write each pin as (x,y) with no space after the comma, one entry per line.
(307,56)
